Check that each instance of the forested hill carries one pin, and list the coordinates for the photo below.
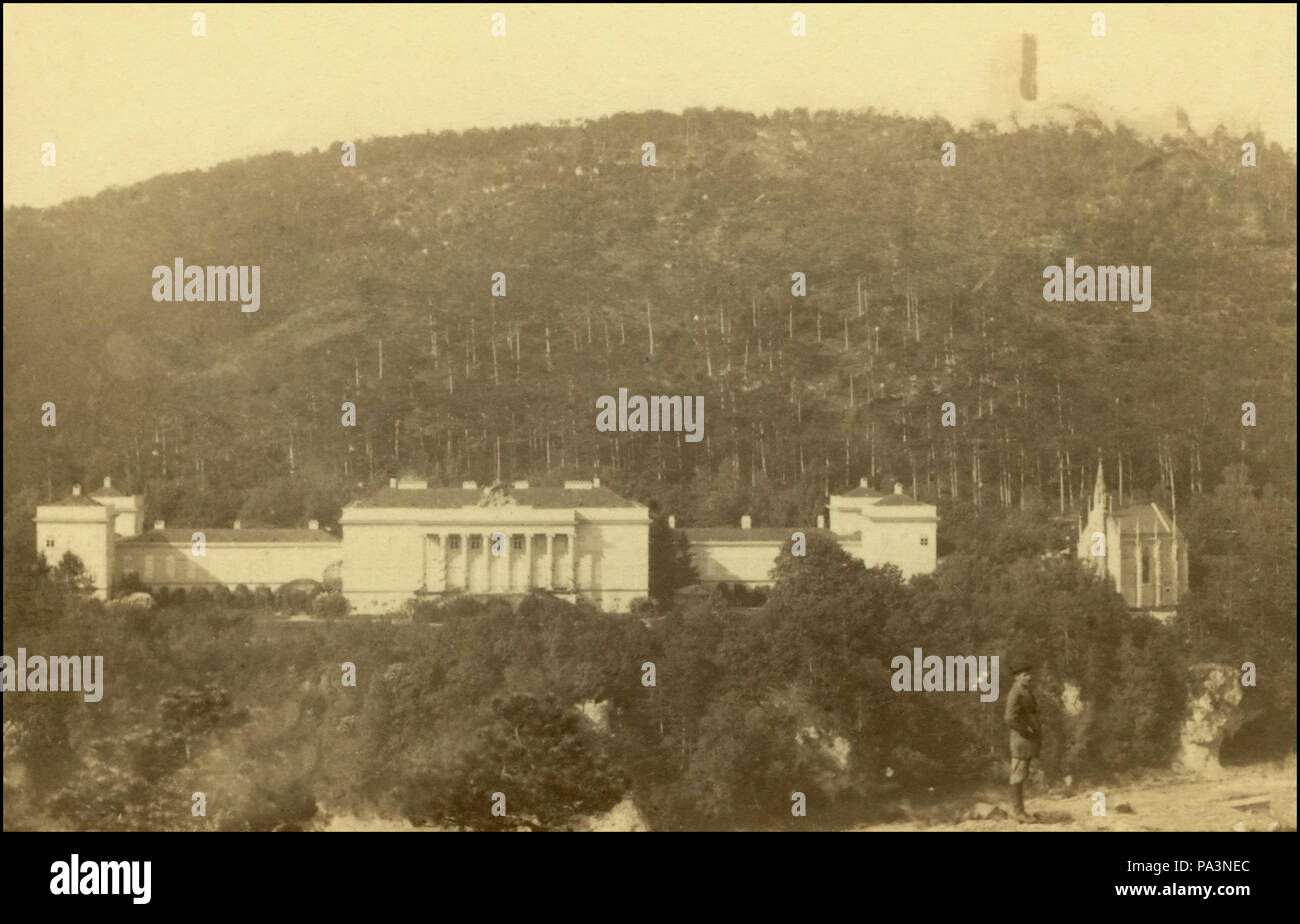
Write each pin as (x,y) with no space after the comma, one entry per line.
(924,285)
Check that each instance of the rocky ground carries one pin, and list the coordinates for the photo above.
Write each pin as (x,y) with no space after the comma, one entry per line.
(1261,797)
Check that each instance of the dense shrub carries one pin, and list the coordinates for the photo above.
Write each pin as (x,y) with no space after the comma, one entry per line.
(129,583)
(331,605)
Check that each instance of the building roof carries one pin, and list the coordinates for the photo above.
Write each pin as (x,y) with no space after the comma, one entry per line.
(776,534)
(451,498)
(900,500)
(860,492)
(75,500)
(185,536)
(1147,517)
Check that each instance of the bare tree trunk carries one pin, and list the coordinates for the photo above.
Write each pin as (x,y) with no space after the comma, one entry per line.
(650,326)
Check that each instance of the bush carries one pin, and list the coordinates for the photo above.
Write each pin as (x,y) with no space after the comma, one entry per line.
(242,597)
(162,596)
(129,583)
(199,596)
(263,599)
(295,597)
(423,610)
(222,596)
(332,605)
(179,596)
(90,607)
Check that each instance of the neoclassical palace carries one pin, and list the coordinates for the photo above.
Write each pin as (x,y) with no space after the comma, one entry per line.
(408,540)
(580,540)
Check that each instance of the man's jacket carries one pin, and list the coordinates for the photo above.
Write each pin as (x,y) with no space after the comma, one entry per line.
(1022,719)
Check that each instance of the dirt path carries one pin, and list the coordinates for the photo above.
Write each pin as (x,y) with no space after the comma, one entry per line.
(1243,798)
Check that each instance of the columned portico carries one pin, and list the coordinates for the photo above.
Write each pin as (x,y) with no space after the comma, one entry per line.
(579,540)
(550,561)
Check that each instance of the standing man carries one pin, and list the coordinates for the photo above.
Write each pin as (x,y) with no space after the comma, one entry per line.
(1026,734)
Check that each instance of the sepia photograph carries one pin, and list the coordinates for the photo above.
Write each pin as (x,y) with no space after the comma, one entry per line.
(649,418)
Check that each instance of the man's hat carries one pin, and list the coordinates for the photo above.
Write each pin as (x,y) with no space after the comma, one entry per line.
(1020,665)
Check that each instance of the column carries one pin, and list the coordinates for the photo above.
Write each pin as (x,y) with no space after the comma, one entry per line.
(573,560)
(528,571)
(549,562)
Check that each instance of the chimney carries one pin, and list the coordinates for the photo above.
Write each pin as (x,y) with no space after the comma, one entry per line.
(672,521)
(863,483)
(76,490)
(313,525)
(159,524)
(821,521)
(469,485)
(898,487)
(235,525)
(745,522)
(392,482)
(108,482)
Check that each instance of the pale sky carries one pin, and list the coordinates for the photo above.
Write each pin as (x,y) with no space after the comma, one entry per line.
(126,93)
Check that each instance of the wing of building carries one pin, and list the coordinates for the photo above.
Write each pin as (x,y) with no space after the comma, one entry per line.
(879,529)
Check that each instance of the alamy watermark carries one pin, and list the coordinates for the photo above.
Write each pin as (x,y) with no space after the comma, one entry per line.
(656,414)
(953,674)
(55,674)
(1098,284)
(181,283)
(107,877)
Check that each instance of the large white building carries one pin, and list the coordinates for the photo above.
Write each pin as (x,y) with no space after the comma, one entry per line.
(581,541)
(407,541)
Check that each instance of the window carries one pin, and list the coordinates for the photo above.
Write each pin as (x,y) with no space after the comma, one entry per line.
(453,543)
(1146,566)
(517,542)
(925,540)
(148,567)
(49,543)
(475,542)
